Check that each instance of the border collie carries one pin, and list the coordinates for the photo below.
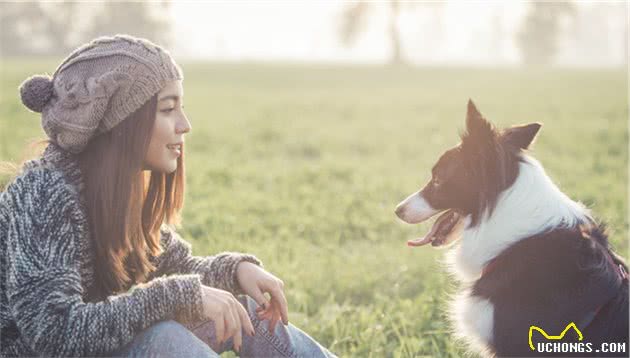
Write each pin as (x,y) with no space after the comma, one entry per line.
(525,253)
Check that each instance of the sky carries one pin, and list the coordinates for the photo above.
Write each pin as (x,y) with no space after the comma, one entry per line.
(451,32)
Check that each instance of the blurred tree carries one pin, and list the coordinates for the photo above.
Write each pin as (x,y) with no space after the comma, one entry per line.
(150,20)
(354,18)
(20,28)
(30,28)
(538,37)
(394,35)
(55,26)
(353,21)
(10,25)
(40,27)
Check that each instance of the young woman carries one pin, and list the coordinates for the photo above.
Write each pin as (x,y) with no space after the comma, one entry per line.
(90,263)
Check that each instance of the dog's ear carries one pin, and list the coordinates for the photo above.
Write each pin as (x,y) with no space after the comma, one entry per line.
(478,129)
(520,136)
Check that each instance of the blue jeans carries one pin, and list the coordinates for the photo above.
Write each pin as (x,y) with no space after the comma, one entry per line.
(172,339)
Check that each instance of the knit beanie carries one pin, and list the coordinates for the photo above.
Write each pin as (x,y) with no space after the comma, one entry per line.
(97,86)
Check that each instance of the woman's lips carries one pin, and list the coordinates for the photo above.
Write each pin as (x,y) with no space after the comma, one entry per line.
(175,148)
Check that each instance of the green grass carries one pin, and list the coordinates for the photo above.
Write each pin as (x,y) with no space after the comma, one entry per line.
(303,166)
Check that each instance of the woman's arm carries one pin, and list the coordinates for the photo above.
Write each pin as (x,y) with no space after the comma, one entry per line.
(44,287)
(217,271)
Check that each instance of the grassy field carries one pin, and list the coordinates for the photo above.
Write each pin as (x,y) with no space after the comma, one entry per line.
(303,166)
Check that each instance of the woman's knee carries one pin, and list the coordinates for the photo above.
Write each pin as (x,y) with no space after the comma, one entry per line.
(169,338)
(166,326)
(249,304)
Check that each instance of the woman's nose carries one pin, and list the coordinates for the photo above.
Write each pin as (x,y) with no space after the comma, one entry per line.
(183,126)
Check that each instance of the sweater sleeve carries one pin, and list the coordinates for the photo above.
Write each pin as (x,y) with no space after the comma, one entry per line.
(217,271)
(44,287)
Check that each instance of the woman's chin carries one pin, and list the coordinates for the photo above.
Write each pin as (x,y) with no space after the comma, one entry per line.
(166,168)
(171,168)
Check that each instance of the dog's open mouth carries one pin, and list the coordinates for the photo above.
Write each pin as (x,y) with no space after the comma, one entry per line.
(445,230)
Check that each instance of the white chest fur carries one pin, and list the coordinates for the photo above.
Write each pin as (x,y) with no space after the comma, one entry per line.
(473,320)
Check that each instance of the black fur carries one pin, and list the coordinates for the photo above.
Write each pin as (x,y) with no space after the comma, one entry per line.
(550,280)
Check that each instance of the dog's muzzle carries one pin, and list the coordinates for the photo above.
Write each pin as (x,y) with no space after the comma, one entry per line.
(415,209)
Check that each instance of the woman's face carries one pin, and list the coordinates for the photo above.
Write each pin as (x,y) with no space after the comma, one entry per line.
(168,131)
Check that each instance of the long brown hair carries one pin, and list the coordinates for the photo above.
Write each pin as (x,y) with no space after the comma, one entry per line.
(127,205)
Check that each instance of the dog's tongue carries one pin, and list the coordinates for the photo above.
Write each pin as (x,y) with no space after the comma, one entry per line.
(440,229)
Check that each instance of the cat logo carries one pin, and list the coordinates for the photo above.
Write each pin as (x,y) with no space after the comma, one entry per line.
(570,325)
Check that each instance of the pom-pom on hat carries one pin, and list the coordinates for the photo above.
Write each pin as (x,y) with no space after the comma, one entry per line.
(36,92)
(97,86)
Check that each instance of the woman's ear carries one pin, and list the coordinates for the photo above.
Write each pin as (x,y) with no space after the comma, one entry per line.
(520,136)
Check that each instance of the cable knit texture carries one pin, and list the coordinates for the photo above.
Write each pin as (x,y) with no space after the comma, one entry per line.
(98,86)
(46,269)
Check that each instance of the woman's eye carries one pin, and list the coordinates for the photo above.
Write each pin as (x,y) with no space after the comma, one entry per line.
(436,182)
(169,110)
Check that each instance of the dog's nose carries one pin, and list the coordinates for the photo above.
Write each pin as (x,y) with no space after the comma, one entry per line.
(400,211)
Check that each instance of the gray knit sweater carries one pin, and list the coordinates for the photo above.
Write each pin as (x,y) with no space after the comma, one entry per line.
(46,269)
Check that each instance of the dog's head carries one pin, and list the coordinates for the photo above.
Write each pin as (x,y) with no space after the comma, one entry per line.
(467,179)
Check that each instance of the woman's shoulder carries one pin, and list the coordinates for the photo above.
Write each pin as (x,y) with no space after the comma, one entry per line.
(40,200)
(37,183)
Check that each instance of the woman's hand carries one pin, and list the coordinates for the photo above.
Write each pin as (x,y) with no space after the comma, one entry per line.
(229,315)
(255,282)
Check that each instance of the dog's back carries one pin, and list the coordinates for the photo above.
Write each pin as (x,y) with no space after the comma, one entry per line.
(611,324)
